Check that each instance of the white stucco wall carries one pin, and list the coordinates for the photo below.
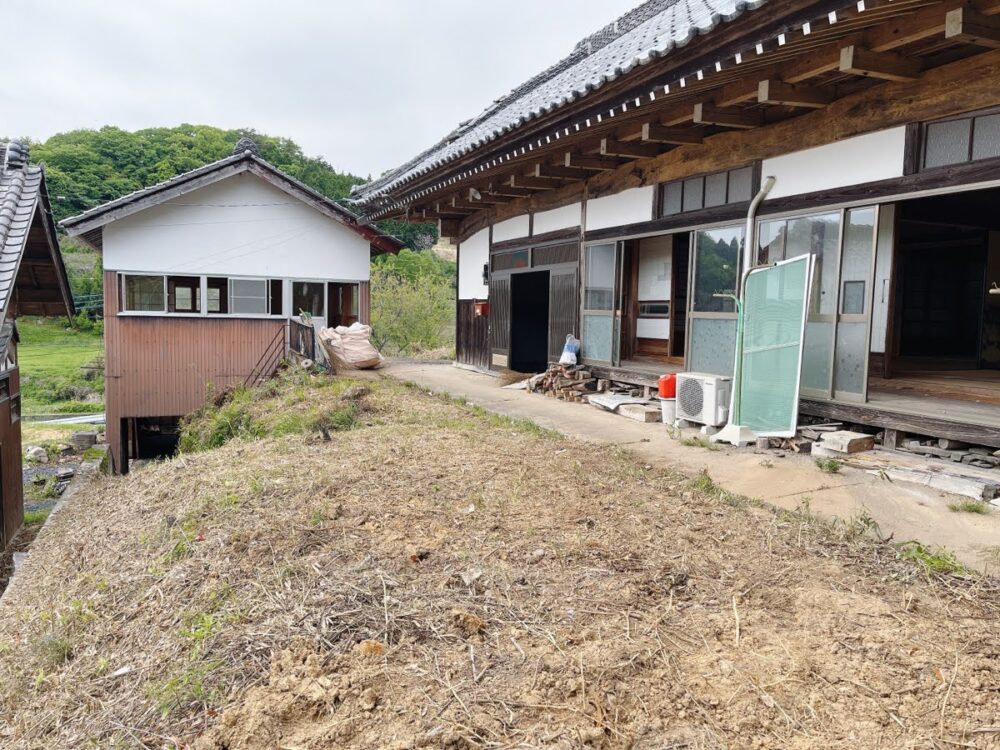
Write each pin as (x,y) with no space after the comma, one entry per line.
(472,255)
(241,226)
(511,229)
(558,218)
(852,161)
(627,207)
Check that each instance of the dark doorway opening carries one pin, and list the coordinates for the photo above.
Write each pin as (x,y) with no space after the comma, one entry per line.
(529,321)
(156,437)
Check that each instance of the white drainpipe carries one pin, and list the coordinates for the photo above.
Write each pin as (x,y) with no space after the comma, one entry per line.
(750,244)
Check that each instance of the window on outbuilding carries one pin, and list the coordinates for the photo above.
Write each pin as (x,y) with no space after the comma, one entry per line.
(184,294)
(307,297)
(248,296)
(277,289)
(143,293)
(217,296)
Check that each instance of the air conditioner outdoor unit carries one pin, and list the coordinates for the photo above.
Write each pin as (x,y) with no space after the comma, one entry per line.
(703,398)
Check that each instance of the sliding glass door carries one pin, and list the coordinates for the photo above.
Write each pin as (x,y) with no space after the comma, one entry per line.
(712,318)
(601,311)
(835,353)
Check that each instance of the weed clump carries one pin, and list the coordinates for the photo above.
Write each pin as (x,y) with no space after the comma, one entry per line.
(969,506)
(829,465)
(289,404)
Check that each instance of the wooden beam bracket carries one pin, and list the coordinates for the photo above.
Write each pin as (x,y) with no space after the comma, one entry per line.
(972,27)
(708,114)
(885,65)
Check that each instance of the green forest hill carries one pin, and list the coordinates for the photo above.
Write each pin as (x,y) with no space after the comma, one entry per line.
(86,168)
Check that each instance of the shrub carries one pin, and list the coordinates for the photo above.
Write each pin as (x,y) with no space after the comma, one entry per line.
(411,314)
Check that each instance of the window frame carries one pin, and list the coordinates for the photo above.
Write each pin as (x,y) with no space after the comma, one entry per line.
(917,148)
(275,290)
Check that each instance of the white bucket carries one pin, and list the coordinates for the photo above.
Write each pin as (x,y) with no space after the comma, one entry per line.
(668,407)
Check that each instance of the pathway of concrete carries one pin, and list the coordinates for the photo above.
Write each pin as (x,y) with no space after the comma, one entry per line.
(904,510)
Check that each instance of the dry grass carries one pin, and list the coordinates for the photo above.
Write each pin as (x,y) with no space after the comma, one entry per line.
(438,577)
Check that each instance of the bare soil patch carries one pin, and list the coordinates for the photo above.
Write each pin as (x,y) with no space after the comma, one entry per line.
(439,577)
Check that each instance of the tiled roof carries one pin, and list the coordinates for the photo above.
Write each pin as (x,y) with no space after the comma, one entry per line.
(20,189)
(648,32)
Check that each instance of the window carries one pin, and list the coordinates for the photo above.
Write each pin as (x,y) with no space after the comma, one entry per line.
(507,261)
(184,294)
(217,295)
(277,295)
(961,139)
(4,389)
(307,297)
(143,294)
(716,271)
(15,408)
(708,191)
(248,296)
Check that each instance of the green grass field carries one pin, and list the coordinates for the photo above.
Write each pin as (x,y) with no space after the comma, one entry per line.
(51,354)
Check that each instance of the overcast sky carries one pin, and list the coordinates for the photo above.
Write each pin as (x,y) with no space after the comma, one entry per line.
(365,84)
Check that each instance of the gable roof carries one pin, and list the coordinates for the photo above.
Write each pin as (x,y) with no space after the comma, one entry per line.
(245,158)
(27,229)
(642,35)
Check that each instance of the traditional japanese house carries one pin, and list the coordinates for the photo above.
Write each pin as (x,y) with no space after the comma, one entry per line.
(207,279)
(32,282)
(610,197)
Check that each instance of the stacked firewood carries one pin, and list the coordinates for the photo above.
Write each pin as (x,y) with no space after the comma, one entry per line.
(567,383)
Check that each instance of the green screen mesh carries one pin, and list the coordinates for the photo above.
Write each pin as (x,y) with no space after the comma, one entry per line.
(774,307)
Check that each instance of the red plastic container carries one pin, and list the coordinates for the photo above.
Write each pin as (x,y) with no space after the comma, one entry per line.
(668,385)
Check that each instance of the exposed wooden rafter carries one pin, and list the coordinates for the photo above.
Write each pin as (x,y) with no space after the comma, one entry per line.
(653,132)
(972,27)
(727,117)
(778,92)
(593,163)
(885,65)
(629,149)
(559,171)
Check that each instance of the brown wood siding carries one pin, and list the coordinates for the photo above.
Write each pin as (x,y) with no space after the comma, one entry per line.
(564,309)
(500,316)
(162,366)
(10,468)
(472,345)
(365,306)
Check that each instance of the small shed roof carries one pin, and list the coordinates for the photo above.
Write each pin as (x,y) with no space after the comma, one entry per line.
(32,275)
(245,158)
(645,33)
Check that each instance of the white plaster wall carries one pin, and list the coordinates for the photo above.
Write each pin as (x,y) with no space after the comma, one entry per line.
(626,207)
(557,218)
(883,265)
(241,226)
(852,161)
(472,255)
(511,229)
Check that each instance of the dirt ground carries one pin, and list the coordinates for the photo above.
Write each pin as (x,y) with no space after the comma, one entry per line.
(442,577)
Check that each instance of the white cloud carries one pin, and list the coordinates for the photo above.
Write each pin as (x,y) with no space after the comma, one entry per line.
(365,85)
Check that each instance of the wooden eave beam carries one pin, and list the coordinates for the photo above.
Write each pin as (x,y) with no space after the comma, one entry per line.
(484,196)
(534,183)
(970,26)
(737,92)
(559,171)
(708,114)
(447,207)
(507,190)
(887,66)
(593,163)
(449,227)
(653,132)
(780,93)
(629,149)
